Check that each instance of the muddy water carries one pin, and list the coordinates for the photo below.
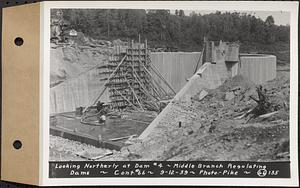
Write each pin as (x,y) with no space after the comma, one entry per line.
(112,128)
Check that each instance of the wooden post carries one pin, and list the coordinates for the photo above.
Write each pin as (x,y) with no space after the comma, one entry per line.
(156,81)
(134,93)
(103,90)
(142,85)
(200,60)
(161,77)
(125,99)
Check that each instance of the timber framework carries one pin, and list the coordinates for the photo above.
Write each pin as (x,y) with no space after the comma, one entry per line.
(131,80)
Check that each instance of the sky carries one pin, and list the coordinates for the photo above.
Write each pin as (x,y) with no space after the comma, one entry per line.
(280,17)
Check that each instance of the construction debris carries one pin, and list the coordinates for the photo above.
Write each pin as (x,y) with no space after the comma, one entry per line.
(209,130)
(202,94)
(122,138)
(229,95)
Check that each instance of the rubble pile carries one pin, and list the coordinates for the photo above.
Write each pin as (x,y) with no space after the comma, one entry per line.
(216,127)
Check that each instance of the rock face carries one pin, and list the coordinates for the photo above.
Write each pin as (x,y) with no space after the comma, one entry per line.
(74,77)
(72,60)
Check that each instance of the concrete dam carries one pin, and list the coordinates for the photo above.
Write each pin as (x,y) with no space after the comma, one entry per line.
(176,67)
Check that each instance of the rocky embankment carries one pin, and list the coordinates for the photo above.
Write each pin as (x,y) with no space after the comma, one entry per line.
(220,126)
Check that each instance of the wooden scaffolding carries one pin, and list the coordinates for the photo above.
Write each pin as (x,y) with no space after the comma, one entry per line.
(132,81)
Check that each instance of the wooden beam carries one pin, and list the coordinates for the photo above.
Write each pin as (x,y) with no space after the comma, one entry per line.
(200,59)
(104,86)
(83,138)
(146,91)
(161,77)
(133,93)
(155,81)
(125,99)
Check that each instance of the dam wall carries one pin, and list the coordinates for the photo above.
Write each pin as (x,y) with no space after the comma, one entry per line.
(258,68)
(175,67)
(209,76)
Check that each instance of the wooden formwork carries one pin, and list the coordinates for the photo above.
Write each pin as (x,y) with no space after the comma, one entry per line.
(130,80)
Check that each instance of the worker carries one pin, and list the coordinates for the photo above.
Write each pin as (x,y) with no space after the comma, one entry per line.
(56,26)
(59,27)
(102,119)
(99,106)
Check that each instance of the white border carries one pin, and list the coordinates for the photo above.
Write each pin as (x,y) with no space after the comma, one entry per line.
(291,7)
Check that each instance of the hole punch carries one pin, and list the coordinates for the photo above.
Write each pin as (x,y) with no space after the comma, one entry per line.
(17,144)
(19,41)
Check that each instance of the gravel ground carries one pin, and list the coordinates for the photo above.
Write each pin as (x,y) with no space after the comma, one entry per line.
(64,150)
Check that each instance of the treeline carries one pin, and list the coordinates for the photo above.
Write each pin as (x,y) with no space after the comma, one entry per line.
(177,31)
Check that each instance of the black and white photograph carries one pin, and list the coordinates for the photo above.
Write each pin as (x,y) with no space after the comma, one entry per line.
(154,93)
(170,92)
(138,84)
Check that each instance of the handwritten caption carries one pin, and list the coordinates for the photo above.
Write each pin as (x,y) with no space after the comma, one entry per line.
(83,169)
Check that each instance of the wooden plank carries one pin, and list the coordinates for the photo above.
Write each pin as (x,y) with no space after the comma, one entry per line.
(103,89)
(83,138)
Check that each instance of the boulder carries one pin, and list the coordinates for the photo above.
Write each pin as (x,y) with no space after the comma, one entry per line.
(229,95)
(202,94)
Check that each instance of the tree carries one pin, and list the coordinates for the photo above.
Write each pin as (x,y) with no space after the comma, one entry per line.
(269,21)
(164,29)
(181,13)
(270,35)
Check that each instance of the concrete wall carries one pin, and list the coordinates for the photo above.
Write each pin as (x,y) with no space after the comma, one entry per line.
(175,67)
(209,76)
(258,68)
(76,92)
